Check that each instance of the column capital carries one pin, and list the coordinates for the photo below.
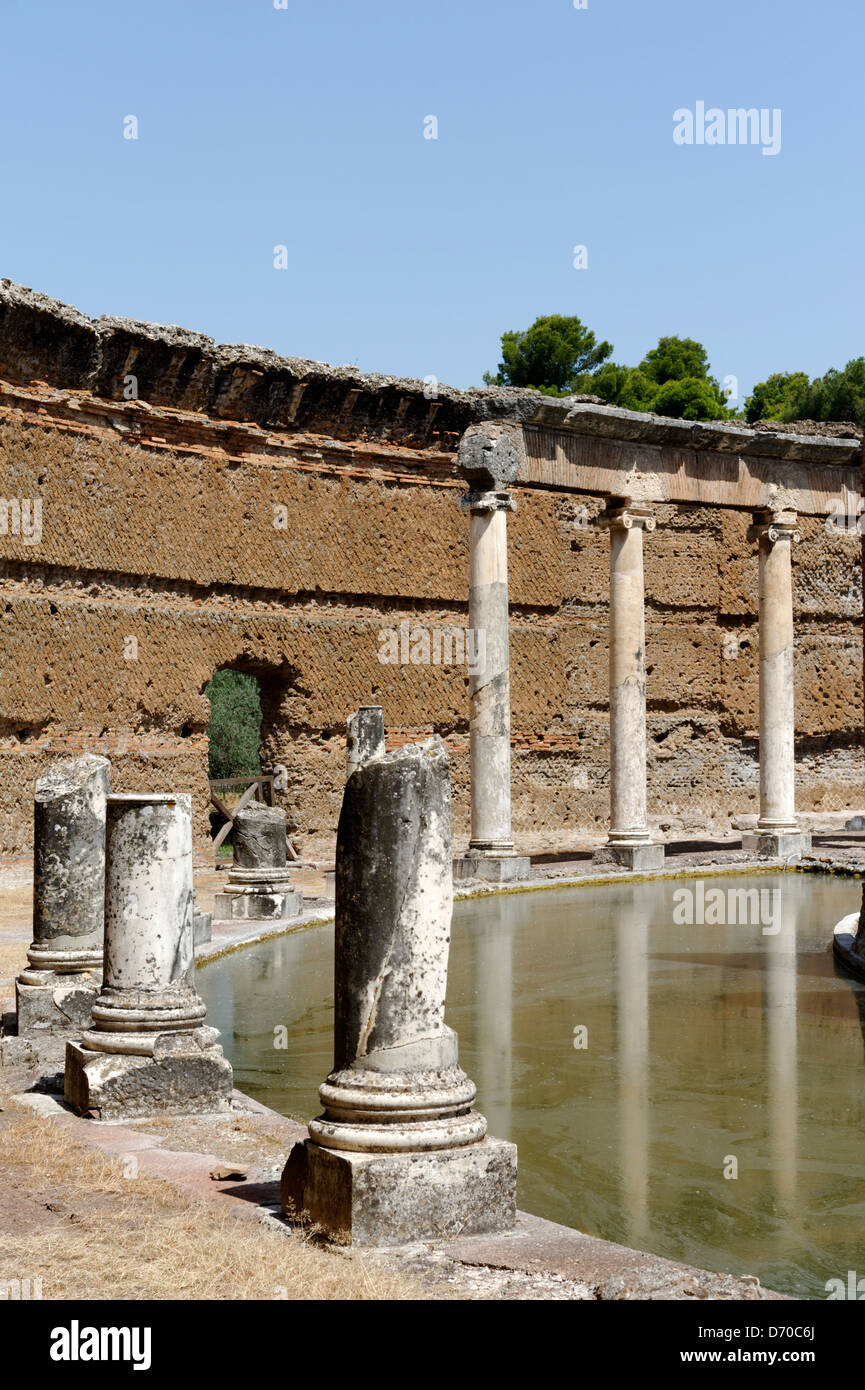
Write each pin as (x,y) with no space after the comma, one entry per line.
(624,515)
(487,460)
(771,527)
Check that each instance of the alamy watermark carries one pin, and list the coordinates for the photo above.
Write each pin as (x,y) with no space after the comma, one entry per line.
(846,515)
(735,126)
(77,1343)
(853,1290)
(437,646)
(698,906)
(21,1290)
(21,516)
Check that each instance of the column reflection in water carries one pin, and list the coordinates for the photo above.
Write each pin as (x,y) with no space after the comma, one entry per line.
(632,1006)
(493,963)
(781,1056)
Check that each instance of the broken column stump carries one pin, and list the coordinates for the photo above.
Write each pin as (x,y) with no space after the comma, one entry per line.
(398,1154)
(56,992)
(260,887)
(148,1051)
(364,740)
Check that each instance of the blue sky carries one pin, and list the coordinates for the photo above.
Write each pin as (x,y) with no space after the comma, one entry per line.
(304,127)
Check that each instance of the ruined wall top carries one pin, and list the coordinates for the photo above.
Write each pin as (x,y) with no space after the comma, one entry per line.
(44,340)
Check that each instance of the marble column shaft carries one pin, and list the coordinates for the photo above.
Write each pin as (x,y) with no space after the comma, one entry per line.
(148,1050)
(147,986)
(627,663)
(776,534)
(488,463)
(69,866)
(489,689)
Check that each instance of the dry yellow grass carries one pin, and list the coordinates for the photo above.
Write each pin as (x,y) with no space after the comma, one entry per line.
(13,958)
(114,1237)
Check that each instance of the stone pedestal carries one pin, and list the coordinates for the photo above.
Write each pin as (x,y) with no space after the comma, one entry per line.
(642,857)
(396,1199)
(777,844)
(629,843)
(398,1154)
(488,462)
(47,1002)
(260,886)
(148,1051)
(492,868)
(778,833)
(202,928)
(57,990)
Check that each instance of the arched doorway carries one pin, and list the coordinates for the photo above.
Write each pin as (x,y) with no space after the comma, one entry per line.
(247,730)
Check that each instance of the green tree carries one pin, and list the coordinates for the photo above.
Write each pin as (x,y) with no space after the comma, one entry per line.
(675,359)
(690,398)
(627,387)
(672,379)
(235,725)
(786,396)
(837,395)
(781,396)
(551,356)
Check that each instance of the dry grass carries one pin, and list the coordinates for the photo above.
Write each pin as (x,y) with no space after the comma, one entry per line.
(107,1236)
(13,958)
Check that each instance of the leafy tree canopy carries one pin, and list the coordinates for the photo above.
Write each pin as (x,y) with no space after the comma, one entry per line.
(780,397)
(628,387)
(690,398)
(235,725)
(838,395)
(560,356)
(551,355)
(675,359)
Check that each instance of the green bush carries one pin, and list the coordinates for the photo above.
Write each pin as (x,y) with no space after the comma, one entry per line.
(235,725)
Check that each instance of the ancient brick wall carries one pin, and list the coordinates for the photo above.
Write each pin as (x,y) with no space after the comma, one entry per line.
(176,541)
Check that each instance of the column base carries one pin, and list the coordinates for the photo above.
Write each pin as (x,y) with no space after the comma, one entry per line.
(187,1075)
(777,844)
(257,907)
(50,1003)
(494,868)
(368,1199)
(645,857)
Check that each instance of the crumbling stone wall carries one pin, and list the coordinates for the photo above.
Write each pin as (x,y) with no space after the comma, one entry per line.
(227,517)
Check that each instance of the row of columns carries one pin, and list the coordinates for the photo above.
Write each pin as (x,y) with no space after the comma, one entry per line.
(488,463)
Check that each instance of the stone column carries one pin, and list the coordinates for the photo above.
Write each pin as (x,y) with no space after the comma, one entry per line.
(260,886)
(55,994)
(398,1154)
(148,1051)
(629,842)
(778,833)
(488,462)
(364,737)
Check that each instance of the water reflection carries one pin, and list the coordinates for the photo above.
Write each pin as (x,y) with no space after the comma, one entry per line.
(493,988)
(632,998)
(705,1040)
(781,1059)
